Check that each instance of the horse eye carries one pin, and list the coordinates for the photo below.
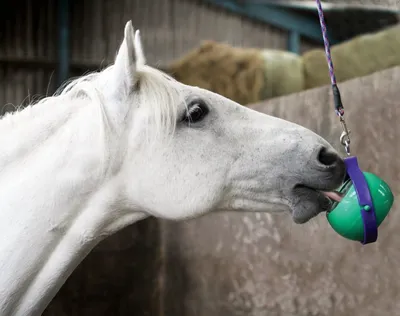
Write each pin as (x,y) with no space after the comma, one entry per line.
(196,111)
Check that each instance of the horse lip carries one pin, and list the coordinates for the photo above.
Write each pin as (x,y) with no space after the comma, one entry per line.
(332,195)
(301,196)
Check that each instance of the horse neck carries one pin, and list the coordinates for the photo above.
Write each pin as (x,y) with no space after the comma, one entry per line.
(54,200)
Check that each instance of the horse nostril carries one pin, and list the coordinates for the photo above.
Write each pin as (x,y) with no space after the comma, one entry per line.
(327,158)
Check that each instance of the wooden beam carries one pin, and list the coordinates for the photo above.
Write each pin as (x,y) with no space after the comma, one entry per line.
(45,63)
(49,64)
(294,42)
(63,68)
(283,18)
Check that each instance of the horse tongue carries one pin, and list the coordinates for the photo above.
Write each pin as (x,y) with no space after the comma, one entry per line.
(333,195)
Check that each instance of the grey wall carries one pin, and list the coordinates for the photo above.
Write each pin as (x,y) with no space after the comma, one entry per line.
(261,264)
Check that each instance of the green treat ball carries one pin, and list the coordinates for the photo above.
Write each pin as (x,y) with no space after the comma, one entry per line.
(345,216)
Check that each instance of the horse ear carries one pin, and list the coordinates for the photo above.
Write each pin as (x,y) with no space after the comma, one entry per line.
(130,56)
(141,60)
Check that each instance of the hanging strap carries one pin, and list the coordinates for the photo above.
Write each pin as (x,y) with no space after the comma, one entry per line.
(339,109)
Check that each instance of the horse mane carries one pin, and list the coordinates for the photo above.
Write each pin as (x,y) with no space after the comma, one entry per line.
(153,91)
(162,97)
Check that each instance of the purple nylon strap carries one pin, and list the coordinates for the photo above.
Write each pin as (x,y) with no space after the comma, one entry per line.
(353,170)
(364,200)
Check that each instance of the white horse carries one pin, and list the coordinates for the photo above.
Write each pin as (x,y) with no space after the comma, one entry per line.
(130,142)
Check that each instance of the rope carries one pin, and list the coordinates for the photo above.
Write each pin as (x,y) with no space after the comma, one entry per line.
(336,93)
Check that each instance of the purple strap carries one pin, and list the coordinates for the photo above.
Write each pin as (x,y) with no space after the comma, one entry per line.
(353,170)
(364,199)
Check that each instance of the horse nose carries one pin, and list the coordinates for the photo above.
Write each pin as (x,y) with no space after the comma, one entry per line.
(328,158)
(326,169)
(331,165)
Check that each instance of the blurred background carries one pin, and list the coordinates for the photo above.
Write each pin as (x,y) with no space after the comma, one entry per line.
(45,42)
(252,52)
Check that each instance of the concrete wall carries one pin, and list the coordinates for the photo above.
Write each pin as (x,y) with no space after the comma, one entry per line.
(260,264)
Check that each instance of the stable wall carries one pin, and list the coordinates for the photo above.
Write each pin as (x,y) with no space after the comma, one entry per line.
(260,264)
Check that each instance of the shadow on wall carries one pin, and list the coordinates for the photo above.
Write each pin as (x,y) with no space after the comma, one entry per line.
(14,16)
(120,276)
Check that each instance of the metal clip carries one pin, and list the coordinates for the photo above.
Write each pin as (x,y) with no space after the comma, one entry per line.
(345,136)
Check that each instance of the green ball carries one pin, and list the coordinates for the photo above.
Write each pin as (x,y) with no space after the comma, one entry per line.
(345,216)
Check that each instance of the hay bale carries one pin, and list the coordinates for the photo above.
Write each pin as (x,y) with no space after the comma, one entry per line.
(284,73)
(245,75)
(236,73)
(358,57)
(248,75)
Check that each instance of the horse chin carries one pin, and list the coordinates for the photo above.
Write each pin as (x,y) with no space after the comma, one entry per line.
(306,203)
